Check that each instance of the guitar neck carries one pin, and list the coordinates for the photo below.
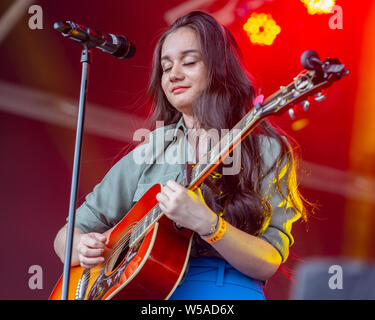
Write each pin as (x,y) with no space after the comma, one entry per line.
(224,147)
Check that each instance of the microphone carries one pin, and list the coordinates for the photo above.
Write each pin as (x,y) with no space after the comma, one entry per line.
(118,46)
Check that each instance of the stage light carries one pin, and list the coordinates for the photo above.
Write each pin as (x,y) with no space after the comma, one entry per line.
(261,28)
(319,6)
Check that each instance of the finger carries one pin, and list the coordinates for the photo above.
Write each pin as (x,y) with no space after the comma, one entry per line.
(99,236)
(174,189)
(89,252)
(163,208)
(90,240)
(162,198)
(174,186)
(167,192)
(90,262)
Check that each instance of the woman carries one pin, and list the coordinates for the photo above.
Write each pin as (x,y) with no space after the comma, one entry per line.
(242,222)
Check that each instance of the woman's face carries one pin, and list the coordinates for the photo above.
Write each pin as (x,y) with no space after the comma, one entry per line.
(184,72)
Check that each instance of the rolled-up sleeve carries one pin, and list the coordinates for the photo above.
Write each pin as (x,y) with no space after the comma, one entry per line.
(278,232)
(112,198)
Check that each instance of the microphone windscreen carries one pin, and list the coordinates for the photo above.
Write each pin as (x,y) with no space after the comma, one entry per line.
(127,49)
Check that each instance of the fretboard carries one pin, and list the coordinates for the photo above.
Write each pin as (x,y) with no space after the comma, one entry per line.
(221,149)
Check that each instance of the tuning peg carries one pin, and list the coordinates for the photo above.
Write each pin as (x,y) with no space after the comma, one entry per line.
(319,96)
(305,104)
(291,113)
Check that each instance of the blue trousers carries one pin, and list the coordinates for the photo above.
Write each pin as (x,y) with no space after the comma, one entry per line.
(215,279)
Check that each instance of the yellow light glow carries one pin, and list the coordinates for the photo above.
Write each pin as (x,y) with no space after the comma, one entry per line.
(261,28)
(300,124)
(319,6)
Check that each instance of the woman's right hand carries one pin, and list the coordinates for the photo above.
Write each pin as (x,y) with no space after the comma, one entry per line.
(90,249)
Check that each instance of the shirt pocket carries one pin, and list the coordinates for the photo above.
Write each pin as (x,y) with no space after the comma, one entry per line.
(143,187)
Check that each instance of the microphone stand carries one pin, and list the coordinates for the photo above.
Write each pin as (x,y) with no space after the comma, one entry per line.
(86,61)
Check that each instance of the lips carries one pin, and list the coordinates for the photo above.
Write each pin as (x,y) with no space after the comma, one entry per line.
(179,89)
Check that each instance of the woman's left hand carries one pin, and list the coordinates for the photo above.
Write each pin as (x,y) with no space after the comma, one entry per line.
(186,208)
(249,254)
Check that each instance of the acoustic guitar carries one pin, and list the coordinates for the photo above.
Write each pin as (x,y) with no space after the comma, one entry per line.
(147,254)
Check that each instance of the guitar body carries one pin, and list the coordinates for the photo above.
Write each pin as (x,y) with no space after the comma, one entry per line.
(150,269)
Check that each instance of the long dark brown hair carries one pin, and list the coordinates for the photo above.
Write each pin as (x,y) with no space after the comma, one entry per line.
(225,101)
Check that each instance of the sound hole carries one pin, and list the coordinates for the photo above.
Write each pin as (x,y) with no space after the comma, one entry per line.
(121,257)
(117,256)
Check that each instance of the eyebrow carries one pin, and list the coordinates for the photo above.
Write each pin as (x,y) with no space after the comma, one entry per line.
(183,53)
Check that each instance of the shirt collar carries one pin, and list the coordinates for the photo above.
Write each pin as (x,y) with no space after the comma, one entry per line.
(180,124)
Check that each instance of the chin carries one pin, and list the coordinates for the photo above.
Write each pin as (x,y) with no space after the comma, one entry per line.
(183,107)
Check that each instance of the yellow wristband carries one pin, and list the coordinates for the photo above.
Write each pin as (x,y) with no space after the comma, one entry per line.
(219,232)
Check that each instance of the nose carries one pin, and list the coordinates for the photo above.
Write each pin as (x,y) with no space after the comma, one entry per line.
(176,73)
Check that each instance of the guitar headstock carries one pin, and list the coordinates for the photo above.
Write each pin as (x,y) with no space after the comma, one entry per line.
(308,84)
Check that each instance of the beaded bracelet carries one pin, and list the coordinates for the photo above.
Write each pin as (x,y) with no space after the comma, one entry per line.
(213,228)
(219,232)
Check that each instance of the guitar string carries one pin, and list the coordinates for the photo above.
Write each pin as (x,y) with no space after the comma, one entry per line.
(119,245)
(107,259)
(123,241)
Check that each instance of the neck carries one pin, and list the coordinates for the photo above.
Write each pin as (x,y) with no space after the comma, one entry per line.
(190,121)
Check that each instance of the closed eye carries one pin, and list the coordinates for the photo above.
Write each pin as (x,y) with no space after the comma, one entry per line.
(167,69)
(184,64)
(189,63)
